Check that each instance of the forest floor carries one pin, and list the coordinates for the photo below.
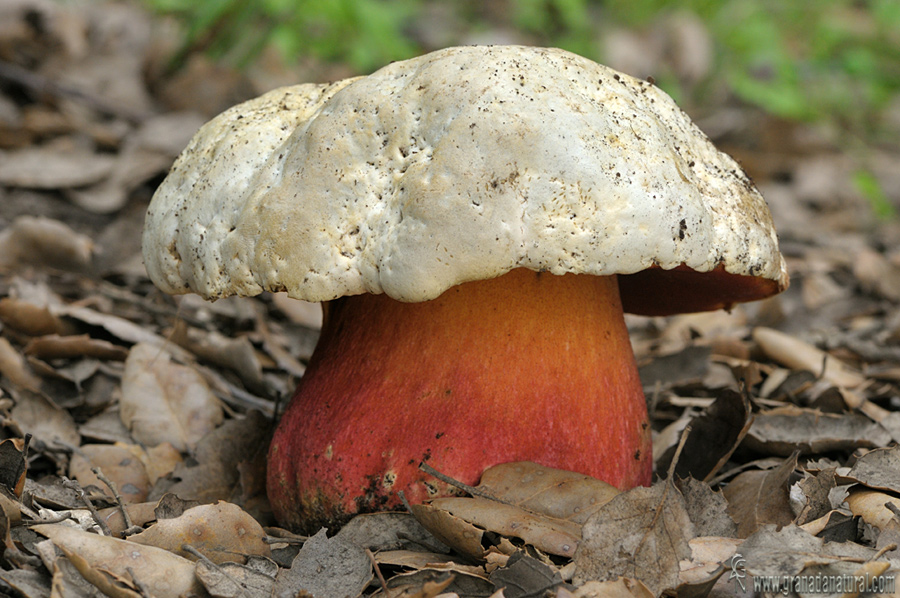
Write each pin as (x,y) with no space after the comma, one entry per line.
(793,402)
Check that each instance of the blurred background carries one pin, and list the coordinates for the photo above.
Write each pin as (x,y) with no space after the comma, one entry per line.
(98,97)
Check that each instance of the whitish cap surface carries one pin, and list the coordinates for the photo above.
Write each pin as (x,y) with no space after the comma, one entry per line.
(461,165)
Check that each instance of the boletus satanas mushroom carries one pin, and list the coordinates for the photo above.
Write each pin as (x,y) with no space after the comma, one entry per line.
(475,221)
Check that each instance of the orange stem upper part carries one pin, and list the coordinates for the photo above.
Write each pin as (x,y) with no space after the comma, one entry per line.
(525,367)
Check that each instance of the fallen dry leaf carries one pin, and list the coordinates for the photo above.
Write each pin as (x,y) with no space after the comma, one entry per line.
(140,514)
(758,498)
(221,532)
(707,508)
(30,318)
(871,505)
(432,583)
(784,430)
(231,580)
(816,490)
(122,464)
(389,531)
(14,464)
(451,519)
(49,424)
(642,533)
(44,242)
(163,401)
(525,576)
(53,346)
(121,328)
(878,469)
(325,567)
(560,494)
(49,168)
(14,368)
(165,574)
(69,581)
(86,575)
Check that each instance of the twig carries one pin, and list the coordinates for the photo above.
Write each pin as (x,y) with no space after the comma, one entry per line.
(883,551)
(193,551)
(130,527)
(141,587)
(87,501)
(375,566)
(277,540)
(405,502)
(457,484)
(681,442)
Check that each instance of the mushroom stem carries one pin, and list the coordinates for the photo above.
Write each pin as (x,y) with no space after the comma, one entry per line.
(525,367)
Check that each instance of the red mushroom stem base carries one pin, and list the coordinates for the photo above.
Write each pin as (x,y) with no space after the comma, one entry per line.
(524,367)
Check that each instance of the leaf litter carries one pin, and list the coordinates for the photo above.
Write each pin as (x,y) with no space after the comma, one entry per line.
(793,405)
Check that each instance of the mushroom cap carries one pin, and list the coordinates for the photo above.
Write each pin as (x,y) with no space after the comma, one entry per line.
(461,165)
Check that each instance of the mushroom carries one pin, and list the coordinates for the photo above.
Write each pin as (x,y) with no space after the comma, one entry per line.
(475,221)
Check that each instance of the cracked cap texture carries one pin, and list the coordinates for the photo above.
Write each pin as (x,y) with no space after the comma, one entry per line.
(460,165)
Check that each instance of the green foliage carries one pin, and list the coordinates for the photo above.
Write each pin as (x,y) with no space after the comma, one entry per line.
(835,60)
(871,189)
(364,33)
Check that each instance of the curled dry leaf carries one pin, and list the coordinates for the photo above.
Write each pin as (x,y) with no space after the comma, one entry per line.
(799,355)
(453,531)
(165,574)
(451,519)
(879,469)
(30,318)
(166,402)
(707,556)
(14,368)
(121,328)
(221,532)
(411,559)
(14,464)
(44,242)
(642,533)
(872,506)
(557,493)
(431,583)
(783,430)
(53,346)
(757,498)
(67,582)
